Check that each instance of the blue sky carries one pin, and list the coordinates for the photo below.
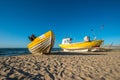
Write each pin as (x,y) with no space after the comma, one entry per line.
(66,18)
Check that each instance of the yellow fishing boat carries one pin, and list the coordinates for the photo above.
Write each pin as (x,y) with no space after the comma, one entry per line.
(42,44)
(87,45)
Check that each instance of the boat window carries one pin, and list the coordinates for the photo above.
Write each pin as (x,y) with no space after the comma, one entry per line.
(68,41)
(64,41)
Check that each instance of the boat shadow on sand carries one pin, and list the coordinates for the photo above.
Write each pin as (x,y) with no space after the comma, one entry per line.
(101,52)
(77,53)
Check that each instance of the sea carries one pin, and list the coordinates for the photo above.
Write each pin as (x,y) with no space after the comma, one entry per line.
(19,51)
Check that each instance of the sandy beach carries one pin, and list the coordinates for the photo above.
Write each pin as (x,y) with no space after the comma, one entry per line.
(62,66)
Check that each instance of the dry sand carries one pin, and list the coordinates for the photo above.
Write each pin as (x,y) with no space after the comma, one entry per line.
(62,66)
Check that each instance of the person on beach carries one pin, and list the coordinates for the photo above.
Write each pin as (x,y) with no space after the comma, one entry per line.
(32,37)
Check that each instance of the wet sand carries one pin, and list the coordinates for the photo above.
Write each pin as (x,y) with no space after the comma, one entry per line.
(62,66)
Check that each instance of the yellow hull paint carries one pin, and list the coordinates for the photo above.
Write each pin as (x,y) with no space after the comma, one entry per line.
(42,44)
(81,45)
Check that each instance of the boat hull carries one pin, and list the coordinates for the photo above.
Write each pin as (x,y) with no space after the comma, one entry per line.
(77,50)
(42,44)
(81,46)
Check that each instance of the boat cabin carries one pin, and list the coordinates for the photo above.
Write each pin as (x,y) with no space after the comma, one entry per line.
(86,38)
(66,40)
(69,40)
